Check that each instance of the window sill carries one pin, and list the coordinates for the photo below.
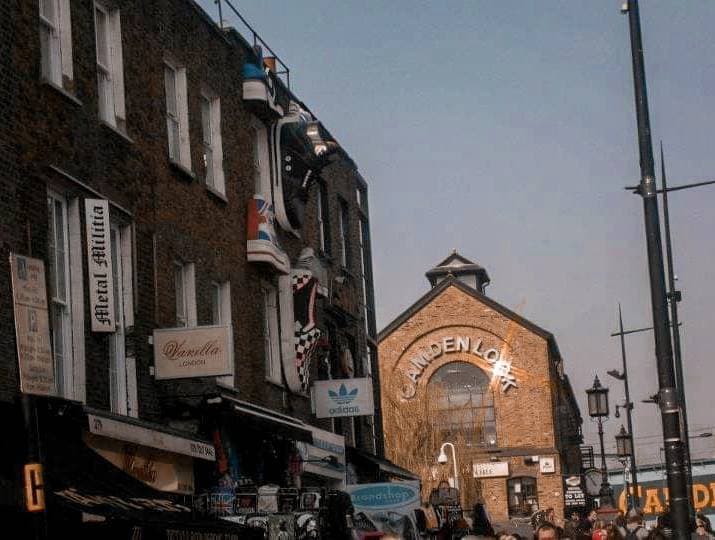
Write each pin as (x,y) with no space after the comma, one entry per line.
(217,194)
(67,95)
(116,130)
(189,174)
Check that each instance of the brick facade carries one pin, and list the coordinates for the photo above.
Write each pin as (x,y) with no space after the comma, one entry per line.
(526,415)
(52,138)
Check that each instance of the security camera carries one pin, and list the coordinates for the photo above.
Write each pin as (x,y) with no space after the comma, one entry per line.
(442,458)
(624,7)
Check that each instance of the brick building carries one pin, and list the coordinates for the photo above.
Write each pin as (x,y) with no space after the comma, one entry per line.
(458,367)
(229,206)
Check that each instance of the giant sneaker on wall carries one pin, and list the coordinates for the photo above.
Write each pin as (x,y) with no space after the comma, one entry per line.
(261,243)
(259,90)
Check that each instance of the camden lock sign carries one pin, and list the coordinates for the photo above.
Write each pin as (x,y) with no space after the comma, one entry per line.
(99,265)
(499,364)
(201,351)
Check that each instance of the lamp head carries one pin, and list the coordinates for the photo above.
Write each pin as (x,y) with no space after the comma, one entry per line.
(442,458)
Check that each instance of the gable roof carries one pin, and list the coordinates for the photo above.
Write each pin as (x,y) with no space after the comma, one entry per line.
(456,264)
(451,281)
(454,256)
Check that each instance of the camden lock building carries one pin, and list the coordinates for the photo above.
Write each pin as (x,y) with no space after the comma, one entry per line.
(184,260)
(458,367)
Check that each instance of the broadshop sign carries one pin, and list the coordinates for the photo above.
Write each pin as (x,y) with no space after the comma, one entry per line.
(343,397)
(200,351)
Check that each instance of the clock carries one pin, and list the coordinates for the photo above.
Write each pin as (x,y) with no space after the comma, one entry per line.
(593,482)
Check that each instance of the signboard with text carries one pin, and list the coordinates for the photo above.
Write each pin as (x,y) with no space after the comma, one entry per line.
(99,265)
(373,504)
(491,469)
(574,496)
(199,351)
(343,397)
(32,327)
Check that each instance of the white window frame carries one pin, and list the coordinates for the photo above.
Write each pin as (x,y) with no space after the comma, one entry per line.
(177,114)
(212,144)
(271,335)
(56,41)
(343,233)
(122,368)
(185,292)
(70,375)
(110,66)
(262,160)
(221,315)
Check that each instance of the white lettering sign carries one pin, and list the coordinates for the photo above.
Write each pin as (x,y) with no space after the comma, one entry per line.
(99,264)
(343,397)
(491,469)
(200,351)
(32,328)
(547,465)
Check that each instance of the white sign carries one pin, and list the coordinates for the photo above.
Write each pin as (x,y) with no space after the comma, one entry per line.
(326,456)
(343,397)
(491,469)
(32,327)
(374,502)
(199,351)
(547,465)
(123,431)
(99,264)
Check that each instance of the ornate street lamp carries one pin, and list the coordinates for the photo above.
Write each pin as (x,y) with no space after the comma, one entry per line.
(598,410)
(624,447)
(624,451)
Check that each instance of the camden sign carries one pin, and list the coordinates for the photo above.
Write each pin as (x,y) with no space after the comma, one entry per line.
(200,351)
(343,397)
(499,363)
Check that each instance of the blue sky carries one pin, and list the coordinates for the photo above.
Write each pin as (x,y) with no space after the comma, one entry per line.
(507,130)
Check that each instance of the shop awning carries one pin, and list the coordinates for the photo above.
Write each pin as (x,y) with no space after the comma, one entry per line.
(262,418)
(383,465)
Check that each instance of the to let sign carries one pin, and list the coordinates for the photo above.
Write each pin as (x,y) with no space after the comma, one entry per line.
(32,328)
(201,351)
(492,469)
(99,264)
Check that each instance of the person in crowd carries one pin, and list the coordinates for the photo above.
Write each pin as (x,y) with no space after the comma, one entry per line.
(598,531)
(481,524)
(705,519)
(588,523)
(572,526)
(634,529)
(547,531)
(701,530)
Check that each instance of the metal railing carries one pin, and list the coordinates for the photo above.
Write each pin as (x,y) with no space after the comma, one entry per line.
(282,68)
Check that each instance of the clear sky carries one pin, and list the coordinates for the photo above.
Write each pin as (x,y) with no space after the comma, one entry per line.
(506,129)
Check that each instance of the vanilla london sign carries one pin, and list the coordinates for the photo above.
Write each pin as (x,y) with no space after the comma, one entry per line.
(201,351)
(499,363)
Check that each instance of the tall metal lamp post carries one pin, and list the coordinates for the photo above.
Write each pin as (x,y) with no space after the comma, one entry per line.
(624,450)
(442,459)
(598,410)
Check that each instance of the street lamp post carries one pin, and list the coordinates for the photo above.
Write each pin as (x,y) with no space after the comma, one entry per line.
(669,403)
(598,409)
(629,407)
(442,458)
(624,449)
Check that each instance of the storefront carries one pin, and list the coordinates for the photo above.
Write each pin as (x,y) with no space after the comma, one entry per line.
(457,367)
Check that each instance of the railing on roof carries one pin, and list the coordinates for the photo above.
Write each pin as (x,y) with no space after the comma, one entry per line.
(257,39)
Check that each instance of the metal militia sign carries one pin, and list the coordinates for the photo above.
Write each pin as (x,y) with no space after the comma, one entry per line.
(99,265)
(32,327)
(200,351)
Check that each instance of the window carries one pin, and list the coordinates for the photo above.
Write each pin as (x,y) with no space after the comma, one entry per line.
(221,315)
(344,234)
(212,150)
(523,496)
(122,368)
(323,219)
(261,160)
(367,291)
(56,41)
(110,69)
(66,300)
(177,115)
(271,338)
(464,404)
(185,289)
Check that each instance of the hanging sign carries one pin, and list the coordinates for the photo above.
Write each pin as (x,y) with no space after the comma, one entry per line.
(99,265)
(343,397)
(199,351)
(574,495)
(32,328)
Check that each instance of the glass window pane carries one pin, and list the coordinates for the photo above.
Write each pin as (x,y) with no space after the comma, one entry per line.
(100,21)
(170,85)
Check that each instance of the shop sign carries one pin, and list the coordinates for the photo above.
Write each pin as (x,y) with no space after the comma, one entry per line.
(547,465)
(491,469)
(373,502)
(654,495)
(99,265)
(499,363)
(574,495)
(343,397)
(123,431)
(200,351)
(161,470)
(326,456)
(32,327)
